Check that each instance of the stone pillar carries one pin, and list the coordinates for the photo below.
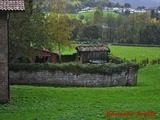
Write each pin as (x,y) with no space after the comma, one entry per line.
(4,83)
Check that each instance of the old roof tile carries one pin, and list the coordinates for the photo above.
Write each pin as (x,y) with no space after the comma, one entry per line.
(12,5)
(92,48)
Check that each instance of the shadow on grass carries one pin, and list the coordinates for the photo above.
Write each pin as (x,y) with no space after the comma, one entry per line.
(71,86)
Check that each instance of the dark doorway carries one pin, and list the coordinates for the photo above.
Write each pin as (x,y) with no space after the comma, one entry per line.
(43,59)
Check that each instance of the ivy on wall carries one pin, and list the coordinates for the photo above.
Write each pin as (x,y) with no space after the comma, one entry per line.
(78,68)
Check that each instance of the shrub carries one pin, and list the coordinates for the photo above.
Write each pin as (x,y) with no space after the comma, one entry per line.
(76,68)
(116,60)
(154,62)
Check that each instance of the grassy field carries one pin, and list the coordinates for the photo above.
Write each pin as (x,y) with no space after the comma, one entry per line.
(129,52)
(81,103)
(132,52)
(88,15)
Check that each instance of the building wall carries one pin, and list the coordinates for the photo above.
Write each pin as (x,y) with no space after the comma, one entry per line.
(4,92)
(125,78)
(68,58)
(39,54)
(86,56)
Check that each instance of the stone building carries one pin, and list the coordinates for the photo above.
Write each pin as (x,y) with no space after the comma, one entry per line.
(6,7)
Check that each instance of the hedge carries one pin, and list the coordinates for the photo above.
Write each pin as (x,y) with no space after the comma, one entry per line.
(76,68)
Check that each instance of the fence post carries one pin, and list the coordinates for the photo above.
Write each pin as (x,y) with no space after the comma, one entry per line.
(147,61)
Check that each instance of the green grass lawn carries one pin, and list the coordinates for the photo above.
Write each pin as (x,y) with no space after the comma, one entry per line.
(81,103)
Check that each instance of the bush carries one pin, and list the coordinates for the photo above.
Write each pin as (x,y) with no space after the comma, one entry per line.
(115,60)
(76,68)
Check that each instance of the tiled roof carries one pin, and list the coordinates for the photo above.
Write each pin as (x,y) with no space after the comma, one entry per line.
(92,48)
(12,5)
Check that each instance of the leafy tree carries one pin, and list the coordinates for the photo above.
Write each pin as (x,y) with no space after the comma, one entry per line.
(103,3)
(150,34)
(94,3)
(91,32)
(110,4)
(118,21)
(127,5)
(125,29)
(154,20)
(130,28)
(117,5)
(26,30)
(142,20)
(98,15)
(110,22)
(78,26)
(59,28)
(140,7)
(73,6)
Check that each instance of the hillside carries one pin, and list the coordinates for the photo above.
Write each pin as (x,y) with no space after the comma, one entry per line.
(136,3)
(90,14)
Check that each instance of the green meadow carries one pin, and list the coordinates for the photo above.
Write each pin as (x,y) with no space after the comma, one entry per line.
(88,15)
(92,103)
(132,52)
(128,52)
(81,103)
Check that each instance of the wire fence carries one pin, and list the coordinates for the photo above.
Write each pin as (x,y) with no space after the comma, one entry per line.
(146,61)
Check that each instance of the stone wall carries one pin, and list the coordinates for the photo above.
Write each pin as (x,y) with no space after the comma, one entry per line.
(4,89)
(126,78)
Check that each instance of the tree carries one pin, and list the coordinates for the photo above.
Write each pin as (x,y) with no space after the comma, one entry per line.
(127,5)
(117,5)
(81,17)
(110,4)
(155,14)
(150,34)
(127,12)
(103,3)
(26,31)
(110,22)
(73,6)
(78,26)
(140,7)
(91,32)
(98,16)
(94,3)
(59,28)
(142,20)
